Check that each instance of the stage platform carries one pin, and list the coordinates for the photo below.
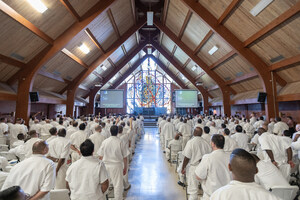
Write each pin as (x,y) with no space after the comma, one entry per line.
(150,121)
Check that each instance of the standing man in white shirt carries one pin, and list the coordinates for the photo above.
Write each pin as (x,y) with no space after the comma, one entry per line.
(34,137)
(168,131)
(45,130)
(97,138)
(193,153)
(114,155)
(213,171)
(279,127)
(186,131)
(59,151)
(87,178)
(15,130)
(72,129)
(76,139)
(35,175)
(243,168)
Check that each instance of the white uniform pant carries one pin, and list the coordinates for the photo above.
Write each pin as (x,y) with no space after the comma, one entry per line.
(60,182)
(285,170)
(125,178)
(193,183)
(115,172)
(184,141)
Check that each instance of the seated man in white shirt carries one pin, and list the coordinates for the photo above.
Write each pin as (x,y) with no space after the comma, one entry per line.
(243,168)
(34,136)
(268,175)
(230,144)
(20,140)
(87,178)
(241,138)
(213,171)
(173,144)
(35,175)
(53,132)
(59,151)
(76,139)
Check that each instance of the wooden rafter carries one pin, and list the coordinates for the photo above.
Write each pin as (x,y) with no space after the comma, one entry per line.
(174,50)
(288,97)
(94,40)
(185,23)
(7,96)
(128,72)
(179,68)
(113,22)
(194,57)
(125,53)
(75,58)
(200,75)
(215,87)
(202,43)
(242,78)
(52,76)
(97,74)
(11,61)
(71,9)
(137,37)
(165,11)
(229,10)
(186,63)
(222,60)
(279,80)
(132,2)
(24,22)
(169,72)
(111,63)
(274,24)
(285,63)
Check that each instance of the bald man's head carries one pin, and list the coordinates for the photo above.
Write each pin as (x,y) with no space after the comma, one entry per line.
(40,147)
(242,165)
(198,131)
(98,128)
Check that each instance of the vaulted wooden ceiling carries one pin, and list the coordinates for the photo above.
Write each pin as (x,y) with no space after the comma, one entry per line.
(115,33)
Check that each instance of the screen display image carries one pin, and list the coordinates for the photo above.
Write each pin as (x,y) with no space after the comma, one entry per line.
(186,98)
(111,98)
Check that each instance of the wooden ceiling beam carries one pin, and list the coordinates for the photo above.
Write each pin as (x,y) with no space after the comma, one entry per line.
(279,80)
(111,63)
(179,68)
(286,97)
(71,9)
(94,40)
(75,58)
(285,63)
(202,43)
(132,2)
(215,87)
(165,11)
(83,88)
(194,57)
(97,74)
(11,61)
(169,72)
(128,72)
(7,96)
(113,22)
(52,76)
(200,75)
(274,24)
(185,23)
(186,63)
(242,78)
(24,22)
(229,10)
(222,60)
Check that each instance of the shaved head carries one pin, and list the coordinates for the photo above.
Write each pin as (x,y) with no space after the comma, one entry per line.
(40,147)
(242,165)
(198,131)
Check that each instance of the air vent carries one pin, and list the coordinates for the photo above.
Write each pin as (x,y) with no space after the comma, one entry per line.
(227,78)
(273,60)
(17,56)
(69,77)
(251,69)
(57,73)
(239,74)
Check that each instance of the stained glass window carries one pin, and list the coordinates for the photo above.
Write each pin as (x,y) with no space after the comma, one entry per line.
(148,88)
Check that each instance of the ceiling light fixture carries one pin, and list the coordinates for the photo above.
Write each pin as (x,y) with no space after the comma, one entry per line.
(150,18)
(84,48)
(194,67)
(213,50)
(104,68)
(38,5)
(260,7)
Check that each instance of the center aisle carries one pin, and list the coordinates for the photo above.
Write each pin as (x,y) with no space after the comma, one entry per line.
(150,175)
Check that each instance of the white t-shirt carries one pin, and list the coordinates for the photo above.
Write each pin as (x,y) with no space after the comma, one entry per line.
(34,174)
(237,190)
(113,150)
(195,148)
(97,138)
(78,138)
(213,171)
(85,177)
(185,129)
(242,140)
(230,144)
(3,128)
(59,147)
(28,146)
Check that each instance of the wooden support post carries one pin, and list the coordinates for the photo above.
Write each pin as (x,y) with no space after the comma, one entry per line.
(226,104)
(70,102)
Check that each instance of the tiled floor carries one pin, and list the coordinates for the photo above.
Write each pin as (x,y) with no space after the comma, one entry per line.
(150,175)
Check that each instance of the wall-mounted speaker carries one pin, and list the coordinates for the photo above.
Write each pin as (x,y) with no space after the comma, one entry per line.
(261,97)
(34,96)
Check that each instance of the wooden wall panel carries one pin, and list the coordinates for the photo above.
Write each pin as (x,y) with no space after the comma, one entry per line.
(82,7)
(19,40)
(291,108)
(290,74)
(216,7)
(180,56)
(53,22)
(291,88)
(176,15)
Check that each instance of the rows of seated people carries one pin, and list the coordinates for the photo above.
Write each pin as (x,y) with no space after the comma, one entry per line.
(214,156)
(83,158)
